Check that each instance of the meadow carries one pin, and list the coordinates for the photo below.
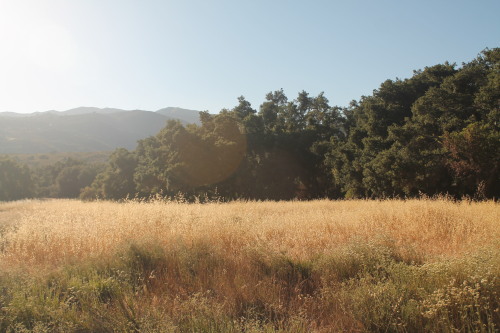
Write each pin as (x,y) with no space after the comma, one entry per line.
(427,265)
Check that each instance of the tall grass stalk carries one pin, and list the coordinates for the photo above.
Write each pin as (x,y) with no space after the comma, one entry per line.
(319,266)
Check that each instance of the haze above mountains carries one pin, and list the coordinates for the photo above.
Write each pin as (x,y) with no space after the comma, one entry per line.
(84,129)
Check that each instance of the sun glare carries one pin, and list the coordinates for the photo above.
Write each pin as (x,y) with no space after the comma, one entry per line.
(36,51)
(28,39)
(50,47)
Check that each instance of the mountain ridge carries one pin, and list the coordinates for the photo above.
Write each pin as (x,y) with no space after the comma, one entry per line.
(84,129)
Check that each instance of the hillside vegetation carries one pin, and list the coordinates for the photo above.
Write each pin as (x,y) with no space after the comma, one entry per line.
(39,161)
(427,265)
(83,129)
(436,133)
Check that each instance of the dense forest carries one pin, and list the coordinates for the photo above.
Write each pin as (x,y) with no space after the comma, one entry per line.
(437,132)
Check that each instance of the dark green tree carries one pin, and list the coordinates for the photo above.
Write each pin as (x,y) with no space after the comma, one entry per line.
(71,180)
(274,105)
(380,155)
(117,180)
(474,158)
(243,109)
(436,132)
(15,180)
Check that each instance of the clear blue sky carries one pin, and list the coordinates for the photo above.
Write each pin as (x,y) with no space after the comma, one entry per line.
(199,54)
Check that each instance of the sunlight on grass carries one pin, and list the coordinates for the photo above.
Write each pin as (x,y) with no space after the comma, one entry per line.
(319,266)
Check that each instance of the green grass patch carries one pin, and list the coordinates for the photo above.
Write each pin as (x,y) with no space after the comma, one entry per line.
(196,287)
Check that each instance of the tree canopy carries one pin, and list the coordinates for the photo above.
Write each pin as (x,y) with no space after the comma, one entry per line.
(434,133)
(437,132)
(15,180)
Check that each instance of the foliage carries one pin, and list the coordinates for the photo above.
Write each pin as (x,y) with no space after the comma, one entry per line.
(412,136)
(434,133)
(475,158)
(65,178)
(116,181)
(402,141)
(15,181)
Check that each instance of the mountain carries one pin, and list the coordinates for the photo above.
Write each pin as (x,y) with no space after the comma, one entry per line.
(188,116)
(13,114)
(86,110)
(83,129)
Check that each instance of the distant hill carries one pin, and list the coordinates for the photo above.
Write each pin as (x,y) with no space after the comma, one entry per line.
(84,129)
(86,110)
(188,116)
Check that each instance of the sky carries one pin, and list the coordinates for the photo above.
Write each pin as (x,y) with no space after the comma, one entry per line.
(202,55)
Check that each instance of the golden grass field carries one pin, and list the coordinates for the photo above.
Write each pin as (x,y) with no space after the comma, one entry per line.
(318,266)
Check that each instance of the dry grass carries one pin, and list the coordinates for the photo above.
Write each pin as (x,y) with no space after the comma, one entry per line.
(319,266)
(61,231)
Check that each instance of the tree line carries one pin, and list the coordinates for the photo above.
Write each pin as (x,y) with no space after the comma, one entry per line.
(437,132)
(61,179)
